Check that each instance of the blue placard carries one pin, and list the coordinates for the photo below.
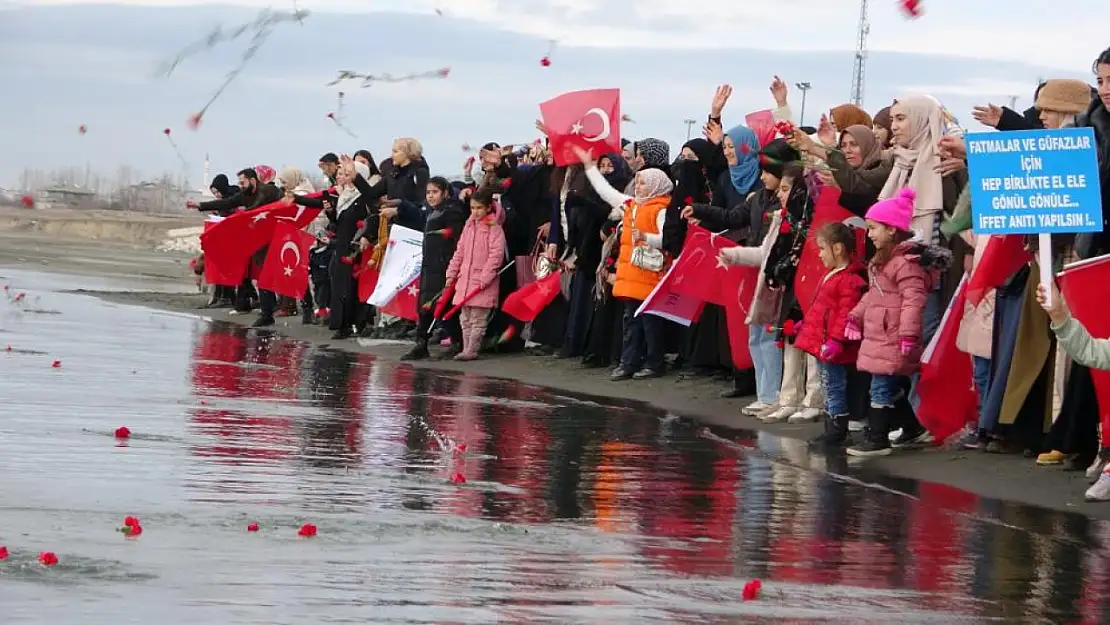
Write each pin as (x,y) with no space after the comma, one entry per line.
(1034,182)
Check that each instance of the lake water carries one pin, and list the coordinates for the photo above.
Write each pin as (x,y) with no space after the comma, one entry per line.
(573,510)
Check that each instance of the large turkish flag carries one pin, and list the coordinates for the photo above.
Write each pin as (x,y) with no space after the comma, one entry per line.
(589,119)
(285,271)
(232,241)
(1084,287)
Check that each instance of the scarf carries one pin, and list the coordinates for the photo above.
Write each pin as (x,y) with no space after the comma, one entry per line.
(656,153)
(655,182)
(293,179)
(745,172)
(870,150)
(350,192)
(847,115)
(914,166)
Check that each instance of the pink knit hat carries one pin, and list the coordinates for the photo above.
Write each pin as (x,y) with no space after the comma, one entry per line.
(896,212)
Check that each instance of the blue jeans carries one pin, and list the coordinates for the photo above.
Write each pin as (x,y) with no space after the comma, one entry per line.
(643,340)
(981,373)
(885,390)
(767,358)
(835,380)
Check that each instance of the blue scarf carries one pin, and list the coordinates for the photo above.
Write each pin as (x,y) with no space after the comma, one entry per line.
(745,173)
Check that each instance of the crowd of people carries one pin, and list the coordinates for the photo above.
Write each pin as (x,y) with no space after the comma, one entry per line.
(613,224)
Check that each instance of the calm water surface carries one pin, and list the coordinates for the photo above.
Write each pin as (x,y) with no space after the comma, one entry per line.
(573,510)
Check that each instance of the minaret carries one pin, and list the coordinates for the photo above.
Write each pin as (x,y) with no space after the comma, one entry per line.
(205,180)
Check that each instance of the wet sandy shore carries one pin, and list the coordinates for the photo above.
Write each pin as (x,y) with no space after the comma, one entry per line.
(162,280)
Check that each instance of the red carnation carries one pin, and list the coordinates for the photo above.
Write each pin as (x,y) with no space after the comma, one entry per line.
(130,521)
(194,120)
(446,233)
(784,227)
(785,127)
(331,115)
(3,552)
(166,132)
(911,8)
(28,201)
(47,558)
(545,61)
(788,328)
(769,329)
(780,344)
(461,448)
(689,200)
(19,296)
(751,590)
(506,183)
(123,432)
(307,530)
(507,335)
(57,364)
(131,531)
(458,478)
(253,527)
(82,129)
(346,260)
(360,224)
(443,72)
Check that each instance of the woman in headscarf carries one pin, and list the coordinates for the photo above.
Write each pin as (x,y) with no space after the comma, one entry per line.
(599,248)
(266,174)
(359,193)
(857,166)
(586,216)
(293,181)
(642,217)
(221,188)
(728,212)
(847,115)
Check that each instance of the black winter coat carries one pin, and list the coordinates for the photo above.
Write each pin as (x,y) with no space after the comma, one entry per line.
(439,247)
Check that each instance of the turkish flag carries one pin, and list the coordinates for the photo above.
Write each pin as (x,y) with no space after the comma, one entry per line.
(762,123)
(665,302)
(234,239)
(739,285)
(1005,254)
(1084,287)
(589,119)
(366,275)
(697,273)
(406,303)
(946,388)
(527,302)
(285,271)
(217,272)
(811,269)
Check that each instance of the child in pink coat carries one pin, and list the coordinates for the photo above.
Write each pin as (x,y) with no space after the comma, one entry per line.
(473,269)
(890,319)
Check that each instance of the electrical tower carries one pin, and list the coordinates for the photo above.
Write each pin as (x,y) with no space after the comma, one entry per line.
(859,73)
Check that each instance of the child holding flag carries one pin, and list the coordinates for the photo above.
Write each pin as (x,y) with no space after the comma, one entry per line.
(473,270)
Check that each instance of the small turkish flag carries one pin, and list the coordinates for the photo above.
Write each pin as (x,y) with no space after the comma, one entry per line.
(285,271)
(589,119)
(527,302)
(406,302)
(762,123)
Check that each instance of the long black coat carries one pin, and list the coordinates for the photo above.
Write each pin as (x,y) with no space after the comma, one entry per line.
(406,183)
(439,248)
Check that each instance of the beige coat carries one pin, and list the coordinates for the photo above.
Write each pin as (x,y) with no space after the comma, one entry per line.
(977,326)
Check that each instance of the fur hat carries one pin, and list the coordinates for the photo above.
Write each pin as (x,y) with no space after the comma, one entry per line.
(896,212)
(1064,96)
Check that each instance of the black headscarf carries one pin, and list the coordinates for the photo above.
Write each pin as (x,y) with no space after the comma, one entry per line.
(221,184)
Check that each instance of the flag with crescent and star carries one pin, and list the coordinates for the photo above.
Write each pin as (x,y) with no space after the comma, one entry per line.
(400,269)
(1083,285)
(406,303)
(589,119)
(527,302)
(811,269)
(946,389)
(234,239)
(285,271)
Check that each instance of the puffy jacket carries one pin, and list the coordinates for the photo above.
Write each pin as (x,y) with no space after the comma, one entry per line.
(894,307)
(839,292)
(477,259)
(633,282)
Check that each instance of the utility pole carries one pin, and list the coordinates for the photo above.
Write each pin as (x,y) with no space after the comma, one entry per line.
(689,126)
(859,72)
(804,87)
(1013,102)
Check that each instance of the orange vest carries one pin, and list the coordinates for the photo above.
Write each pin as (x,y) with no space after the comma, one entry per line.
(633,282)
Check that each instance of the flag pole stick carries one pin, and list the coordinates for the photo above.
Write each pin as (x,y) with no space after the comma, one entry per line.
(450,313)
(1044,256)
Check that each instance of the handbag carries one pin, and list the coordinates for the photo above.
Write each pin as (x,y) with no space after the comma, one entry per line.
(526,265)
(648,258)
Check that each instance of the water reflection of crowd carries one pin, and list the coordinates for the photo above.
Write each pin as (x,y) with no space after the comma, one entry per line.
(695,506)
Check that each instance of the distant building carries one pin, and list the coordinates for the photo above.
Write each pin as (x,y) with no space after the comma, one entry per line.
(59,197)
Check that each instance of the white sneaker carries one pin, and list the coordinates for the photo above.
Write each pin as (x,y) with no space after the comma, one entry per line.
(1095,469)
(1100,491)
(893,436)
(809,415)
(778,416)
(754,408)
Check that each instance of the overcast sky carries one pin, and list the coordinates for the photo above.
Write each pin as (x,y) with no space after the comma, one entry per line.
(79,62)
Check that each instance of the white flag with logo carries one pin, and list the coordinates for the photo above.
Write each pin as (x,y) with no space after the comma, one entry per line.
(400,265)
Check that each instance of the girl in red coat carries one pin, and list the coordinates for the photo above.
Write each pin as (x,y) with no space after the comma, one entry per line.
(822,333)
(890,320)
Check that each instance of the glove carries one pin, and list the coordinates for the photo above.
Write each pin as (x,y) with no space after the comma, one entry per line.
(831,350)
(907,344)
(853,331)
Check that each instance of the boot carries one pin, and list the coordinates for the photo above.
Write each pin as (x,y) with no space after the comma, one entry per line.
(418,351)
(876,440)
(308,317)
(836,433)
(913,433)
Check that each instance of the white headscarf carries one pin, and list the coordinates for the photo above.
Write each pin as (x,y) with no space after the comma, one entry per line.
(655,183)
(915,166)
(349,193)
(293,179)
